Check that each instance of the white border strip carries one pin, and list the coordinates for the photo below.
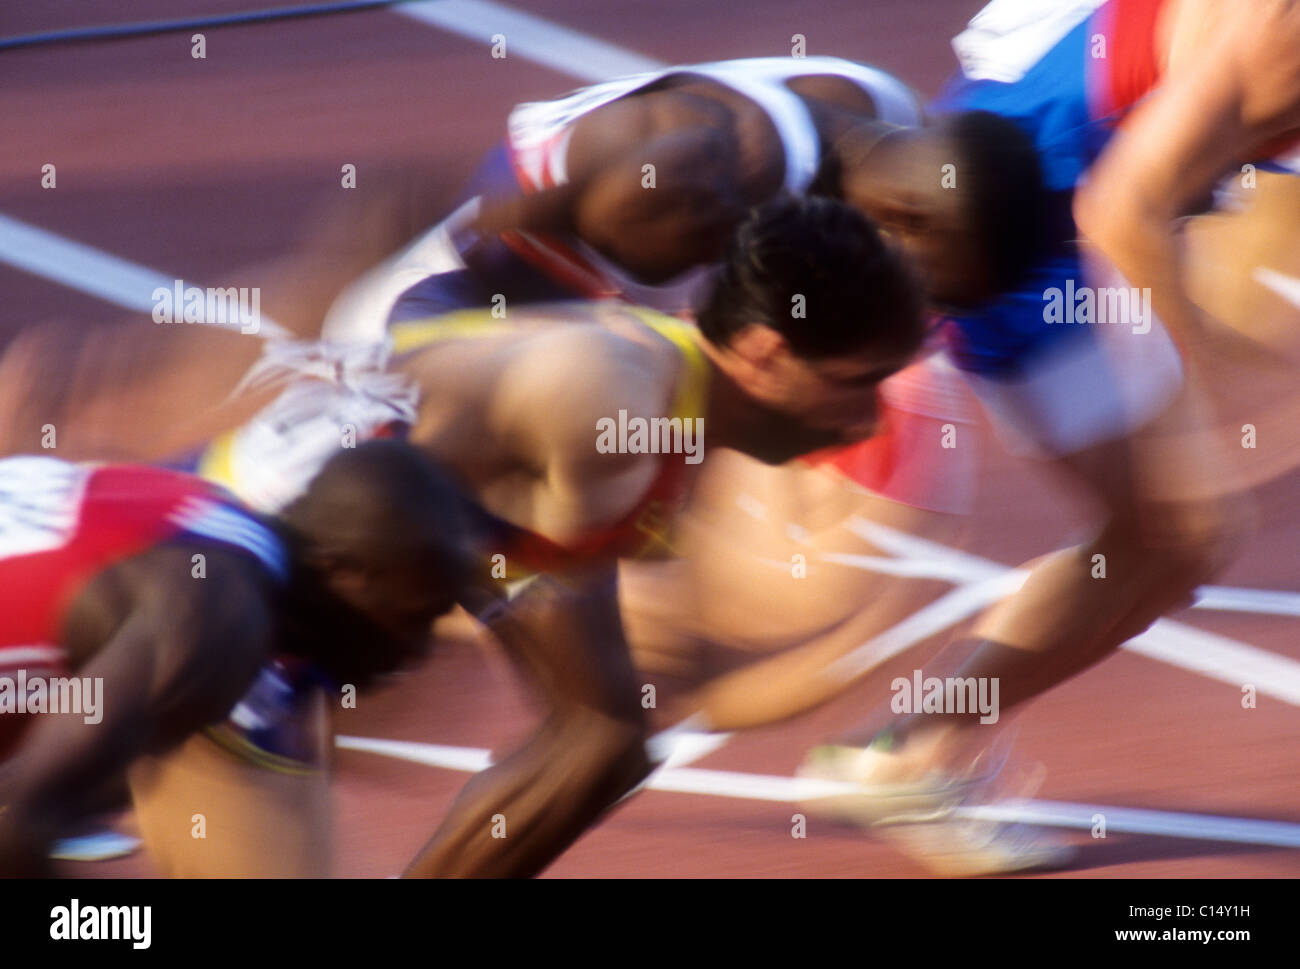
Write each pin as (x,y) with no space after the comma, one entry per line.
(79,267)
(92,271)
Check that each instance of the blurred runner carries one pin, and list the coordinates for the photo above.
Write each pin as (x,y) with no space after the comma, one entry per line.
(1104,395)
(627,189)
(169,626)
(577,428)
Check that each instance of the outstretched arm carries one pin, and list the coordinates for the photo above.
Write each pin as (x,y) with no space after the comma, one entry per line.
(564,632)
(1218,108)
(513,819)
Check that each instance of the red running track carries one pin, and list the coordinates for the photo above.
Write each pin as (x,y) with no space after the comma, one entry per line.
(199,168)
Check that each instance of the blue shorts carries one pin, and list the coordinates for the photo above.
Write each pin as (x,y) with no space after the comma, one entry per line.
(273,725)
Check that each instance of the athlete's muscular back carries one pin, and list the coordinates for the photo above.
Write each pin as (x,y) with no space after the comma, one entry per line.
(514,414)
(714,152)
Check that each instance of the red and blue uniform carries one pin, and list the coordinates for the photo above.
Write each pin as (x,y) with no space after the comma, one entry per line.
(64,524)
(1067,72)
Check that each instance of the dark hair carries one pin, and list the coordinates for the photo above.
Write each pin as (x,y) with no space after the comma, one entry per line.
(384,502)
(1004,193)
(856,290)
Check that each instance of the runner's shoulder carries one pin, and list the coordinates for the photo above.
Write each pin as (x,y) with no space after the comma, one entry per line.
(614,131)
(572,383)
(595,365)
(211,608)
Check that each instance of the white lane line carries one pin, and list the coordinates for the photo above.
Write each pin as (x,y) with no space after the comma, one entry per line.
(985,581)
(90,270)
(922,558)
(684,744)
(559,48)
(1121,820)
(1168,641)
(1220,658)
(751,506)
(1268,602)
(675,747)
(78,266)
(794,790)
(945,571)
(470,759)
(1220,598)
(907,546)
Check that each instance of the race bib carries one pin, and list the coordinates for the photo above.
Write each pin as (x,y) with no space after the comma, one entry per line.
(276,455)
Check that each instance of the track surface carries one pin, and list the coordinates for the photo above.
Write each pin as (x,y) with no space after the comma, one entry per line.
(197,168)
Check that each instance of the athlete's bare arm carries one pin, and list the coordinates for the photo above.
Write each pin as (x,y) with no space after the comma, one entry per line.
(1219,106)
(516,817)
(564,632)
(551,403)
(516,419)
(656,182)
(173,652)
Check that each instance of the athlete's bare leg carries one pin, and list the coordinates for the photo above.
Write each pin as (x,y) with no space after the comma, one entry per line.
(753,616)
(1171,526)
(771,588)
(205,812)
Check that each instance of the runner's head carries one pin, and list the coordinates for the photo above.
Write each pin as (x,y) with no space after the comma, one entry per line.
(965,197)
(381,532)
(811,311)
